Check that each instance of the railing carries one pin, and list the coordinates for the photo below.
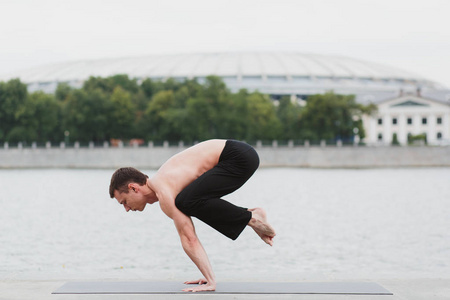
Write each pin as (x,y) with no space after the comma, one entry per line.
(181,144)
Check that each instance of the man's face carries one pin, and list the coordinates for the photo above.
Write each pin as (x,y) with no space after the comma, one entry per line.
(133,200)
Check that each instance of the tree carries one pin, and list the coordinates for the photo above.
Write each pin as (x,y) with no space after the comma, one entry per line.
(62,91)
(199,120)
(37,120)
(155,116)
(289,114)
(262,119)
(123,81)
(151,88)
(236,121)
(108,84)
(395,140)
(217,96)
(13,95)
(98,83)
(171,84)
(189,89)
(122,116)
(148,88)
(86,115)
(331,116)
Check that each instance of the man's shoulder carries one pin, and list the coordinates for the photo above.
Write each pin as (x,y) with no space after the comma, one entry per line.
(165,195)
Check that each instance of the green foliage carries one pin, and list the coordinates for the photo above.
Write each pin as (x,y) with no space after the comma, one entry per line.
(127,84)
(395,140)
(331,116)
(122,114)
(13,95)
(198,119)
(157,115)
(262,119)
(62,91)
(36,119)
(148,87)
(87,116)
(118,107)
(237,116)
(417,139)
(289,114)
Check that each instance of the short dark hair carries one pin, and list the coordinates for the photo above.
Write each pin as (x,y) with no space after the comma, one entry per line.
(122,177)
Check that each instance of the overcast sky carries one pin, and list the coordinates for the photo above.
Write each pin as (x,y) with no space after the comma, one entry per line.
(413,35)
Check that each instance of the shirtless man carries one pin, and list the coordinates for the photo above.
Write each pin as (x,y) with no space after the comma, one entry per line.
(190,184)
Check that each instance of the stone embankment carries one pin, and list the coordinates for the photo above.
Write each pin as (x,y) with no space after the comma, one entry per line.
(151,157)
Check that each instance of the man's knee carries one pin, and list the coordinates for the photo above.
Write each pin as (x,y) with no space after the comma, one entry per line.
(186,204)
(252,159)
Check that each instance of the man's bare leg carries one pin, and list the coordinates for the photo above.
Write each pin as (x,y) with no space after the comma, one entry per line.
(259,224)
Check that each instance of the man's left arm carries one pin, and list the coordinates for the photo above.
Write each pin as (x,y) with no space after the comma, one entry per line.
(194,249)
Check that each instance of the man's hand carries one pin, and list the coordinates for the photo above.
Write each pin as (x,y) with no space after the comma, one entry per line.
(202,286)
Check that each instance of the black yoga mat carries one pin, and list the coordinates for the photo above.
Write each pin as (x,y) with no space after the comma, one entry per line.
(169,287)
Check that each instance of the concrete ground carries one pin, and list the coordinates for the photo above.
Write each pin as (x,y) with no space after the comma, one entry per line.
(403,289)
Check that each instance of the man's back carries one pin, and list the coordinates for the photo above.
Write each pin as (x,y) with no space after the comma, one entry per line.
(183,168)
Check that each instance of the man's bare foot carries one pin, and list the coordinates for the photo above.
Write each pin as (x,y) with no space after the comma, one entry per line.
(259,224)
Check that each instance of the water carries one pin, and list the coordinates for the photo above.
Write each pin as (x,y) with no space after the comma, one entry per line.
(331,224)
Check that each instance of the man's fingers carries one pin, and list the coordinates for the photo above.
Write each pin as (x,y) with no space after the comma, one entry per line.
(198,281)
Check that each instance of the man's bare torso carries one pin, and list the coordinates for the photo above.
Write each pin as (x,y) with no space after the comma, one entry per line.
(183,168)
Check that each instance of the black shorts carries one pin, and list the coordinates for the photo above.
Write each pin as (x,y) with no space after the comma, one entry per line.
(202,198)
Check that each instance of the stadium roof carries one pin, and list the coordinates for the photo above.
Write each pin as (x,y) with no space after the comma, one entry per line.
(275,73)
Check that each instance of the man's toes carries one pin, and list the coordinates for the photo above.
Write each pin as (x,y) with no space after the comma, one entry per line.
(267,240)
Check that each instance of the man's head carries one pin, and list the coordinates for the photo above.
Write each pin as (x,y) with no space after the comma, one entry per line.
(129,187)
(123,177)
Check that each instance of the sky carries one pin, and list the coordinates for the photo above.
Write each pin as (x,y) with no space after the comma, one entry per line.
(412,35)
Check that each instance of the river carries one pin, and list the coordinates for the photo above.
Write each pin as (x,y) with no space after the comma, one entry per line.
(330,223)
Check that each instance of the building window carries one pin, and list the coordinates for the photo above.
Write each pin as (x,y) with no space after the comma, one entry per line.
(439,135)
(394,121)
(409,121)
(380,121)
(439,120)
(252,79)
(380,137)
(277,78)
(301,79)
(230,79)
(424,121)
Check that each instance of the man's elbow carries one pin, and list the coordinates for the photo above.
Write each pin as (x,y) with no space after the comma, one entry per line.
(189,240)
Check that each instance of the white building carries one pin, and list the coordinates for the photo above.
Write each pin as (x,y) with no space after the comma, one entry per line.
(409,115)
(274,73)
